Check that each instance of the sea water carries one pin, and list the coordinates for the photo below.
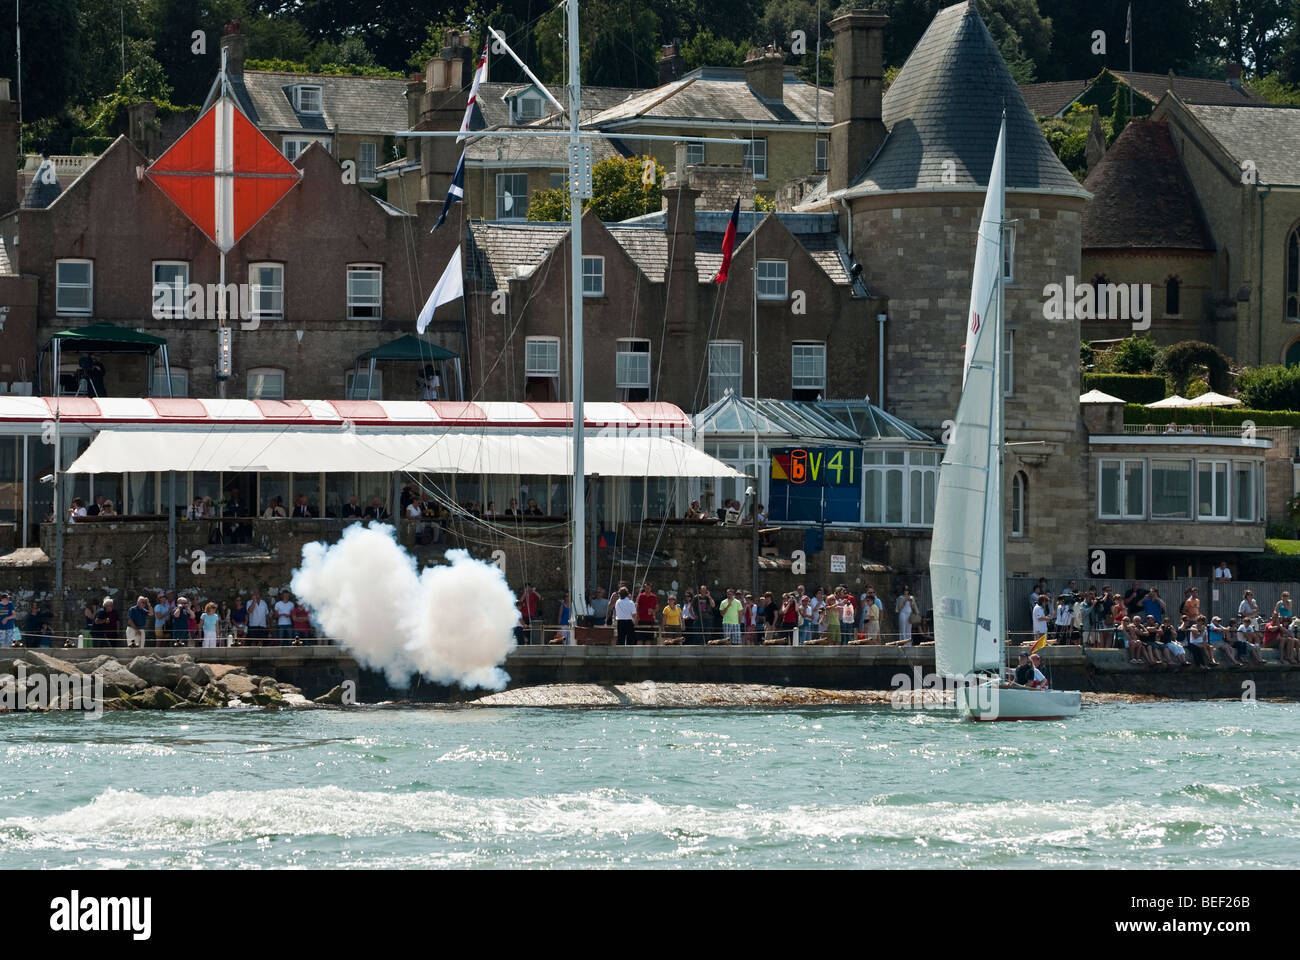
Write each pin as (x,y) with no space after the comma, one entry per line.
(1123,785)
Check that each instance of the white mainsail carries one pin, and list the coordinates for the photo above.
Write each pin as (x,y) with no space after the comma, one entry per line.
(967,568)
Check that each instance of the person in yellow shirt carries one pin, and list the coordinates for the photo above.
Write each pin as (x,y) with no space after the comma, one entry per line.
(672,621)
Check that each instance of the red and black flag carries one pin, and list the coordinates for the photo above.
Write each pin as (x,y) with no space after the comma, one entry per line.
(728,244)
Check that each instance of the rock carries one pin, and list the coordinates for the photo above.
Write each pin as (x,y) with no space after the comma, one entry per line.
(188,689)
(213,696)
(197,672)
(297,700)
(220,670)
(92,665)
(236,685)
(158,673)
(119,703)
(45,664)
(268,683)
(155,698)
(117,675)
(179,658)
(266,697)
(7,666)
(288,688)
(333,698)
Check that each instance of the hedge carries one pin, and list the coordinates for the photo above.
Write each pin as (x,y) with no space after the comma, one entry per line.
(1274,567)
(1133,387)
(1219,416)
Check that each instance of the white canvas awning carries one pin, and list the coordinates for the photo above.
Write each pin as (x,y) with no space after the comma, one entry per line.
(342,451)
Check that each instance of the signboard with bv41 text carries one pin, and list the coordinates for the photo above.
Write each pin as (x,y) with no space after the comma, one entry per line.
(816,485)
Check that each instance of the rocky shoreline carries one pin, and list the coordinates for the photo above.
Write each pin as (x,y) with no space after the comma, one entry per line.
(173,682)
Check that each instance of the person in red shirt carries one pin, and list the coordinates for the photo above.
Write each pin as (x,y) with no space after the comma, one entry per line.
(301,621)
(530,609)
(646,606)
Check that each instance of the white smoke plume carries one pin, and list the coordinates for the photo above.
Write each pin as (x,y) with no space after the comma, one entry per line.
(451,624)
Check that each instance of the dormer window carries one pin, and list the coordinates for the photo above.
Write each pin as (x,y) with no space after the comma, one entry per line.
(307,99)
(528,108)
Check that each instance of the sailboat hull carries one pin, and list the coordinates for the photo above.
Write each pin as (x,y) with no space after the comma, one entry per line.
(990,702)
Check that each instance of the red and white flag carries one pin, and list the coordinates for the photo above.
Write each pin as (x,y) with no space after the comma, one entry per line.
(480,74)
(224,173)
(728,244)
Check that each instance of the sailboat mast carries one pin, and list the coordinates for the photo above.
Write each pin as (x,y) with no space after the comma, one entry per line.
(578,500)
(999,394)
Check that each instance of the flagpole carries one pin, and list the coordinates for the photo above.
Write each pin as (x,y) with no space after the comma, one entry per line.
(221,300)
(1128,36)
(578,499)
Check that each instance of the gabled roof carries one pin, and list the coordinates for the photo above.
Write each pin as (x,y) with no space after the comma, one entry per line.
(1189,89)
(1142,198)
(493,110)
(721,95)
(348,104)
(942,115)
(1049,99)
(1268,137)
(531,151)
(500,251)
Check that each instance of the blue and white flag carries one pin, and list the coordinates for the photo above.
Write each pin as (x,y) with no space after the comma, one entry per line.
(451,287)
(454,192)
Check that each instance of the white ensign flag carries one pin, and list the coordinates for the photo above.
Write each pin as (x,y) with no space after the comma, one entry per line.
(451,286)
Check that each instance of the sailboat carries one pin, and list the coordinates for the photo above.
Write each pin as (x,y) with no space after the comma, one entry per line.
(967,562)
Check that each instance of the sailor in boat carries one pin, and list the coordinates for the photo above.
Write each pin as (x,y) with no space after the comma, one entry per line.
(1027,675)
(1039,682)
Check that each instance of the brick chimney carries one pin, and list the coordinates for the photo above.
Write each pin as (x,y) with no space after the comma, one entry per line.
(683,281)
(1233,72)
(859,69)
(232,42)
(765,72)
(671,64)
(442,106)
(8,148)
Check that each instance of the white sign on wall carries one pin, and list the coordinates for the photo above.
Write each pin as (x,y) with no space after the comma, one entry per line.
(837,563)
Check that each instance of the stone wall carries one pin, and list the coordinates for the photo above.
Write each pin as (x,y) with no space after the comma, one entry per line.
(918,251)
(127,558)
(1195,319)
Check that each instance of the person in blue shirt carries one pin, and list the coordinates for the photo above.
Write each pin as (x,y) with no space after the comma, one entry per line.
(1153,606)
(7,622)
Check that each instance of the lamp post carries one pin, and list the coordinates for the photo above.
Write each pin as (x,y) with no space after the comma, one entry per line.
(751,495)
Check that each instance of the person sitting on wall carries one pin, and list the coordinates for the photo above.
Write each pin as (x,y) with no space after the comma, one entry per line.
(274,509)
(376,510)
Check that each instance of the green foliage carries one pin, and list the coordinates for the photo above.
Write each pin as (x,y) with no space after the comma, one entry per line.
(1275,89)
(327,69)
(1086,355)
(764,204)
(706,50)
(1270,388)
(1284,547)
(618,192)
(1187,359)
(1133,387)
(1135,354)
(473,18)
(1219,416)
(1271,567)
(1068,136)
(146,81)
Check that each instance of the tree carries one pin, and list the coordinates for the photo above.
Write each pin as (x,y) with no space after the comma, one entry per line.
(706,50)
(1131,355)
(1251,32)
(618,188)
(1190,358)
(1270,388)
(50,54)
(1164,37)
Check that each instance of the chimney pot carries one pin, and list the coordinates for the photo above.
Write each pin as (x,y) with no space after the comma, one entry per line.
(765,72)
(233,43)
(671,64)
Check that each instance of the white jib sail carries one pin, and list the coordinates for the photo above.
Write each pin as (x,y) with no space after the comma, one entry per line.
(967,570)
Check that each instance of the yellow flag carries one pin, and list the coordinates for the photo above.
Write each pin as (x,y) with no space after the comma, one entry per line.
(1042,642)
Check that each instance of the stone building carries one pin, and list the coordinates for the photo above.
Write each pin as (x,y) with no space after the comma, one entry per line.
(911,172)
(1144,230)
(1244,169)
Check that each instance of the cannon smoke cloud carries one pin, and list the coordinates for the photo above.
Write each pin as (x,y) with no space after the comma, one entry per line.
(451,623)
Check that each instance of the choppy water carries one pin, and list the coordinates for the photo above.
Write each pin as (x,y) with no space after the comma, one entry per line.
(1123,785)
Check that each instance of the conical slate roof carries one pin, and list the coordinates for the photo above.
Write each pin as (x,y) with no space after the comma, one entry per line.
(1141,195)
(943,112)
(44,188)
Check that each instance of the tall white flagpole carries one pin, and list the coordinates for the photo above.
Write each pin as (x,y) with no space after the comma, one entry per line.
(578,501)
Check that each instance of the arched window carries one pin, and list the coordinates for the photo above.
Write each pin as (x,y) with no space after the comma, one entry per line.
(1019,504)
(1172,285)
(1293,354)
(1293,276)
